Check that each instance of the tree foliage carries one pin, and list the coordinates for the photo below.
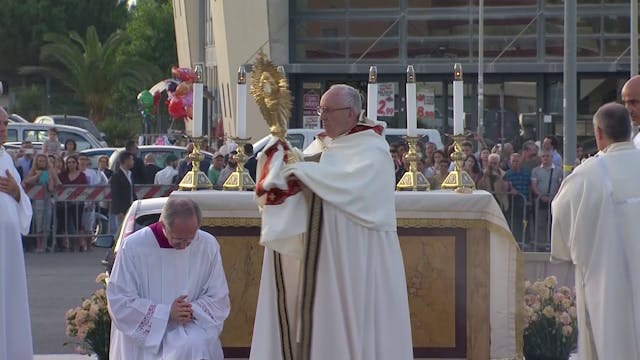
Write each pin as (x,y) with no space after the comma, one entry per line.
(91,69)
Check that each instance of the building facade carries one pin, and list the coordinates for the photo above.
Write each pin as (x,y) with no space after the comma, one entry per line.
(322,42)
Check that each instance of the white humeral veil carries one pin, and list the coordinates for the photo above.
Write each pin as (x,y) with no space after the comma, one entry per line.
(596,226)
(15,324)
(360,308)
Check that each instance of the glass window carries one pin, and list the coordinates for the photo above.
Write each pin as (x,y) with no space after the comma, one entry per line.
(616,25)
(616,47)
(12,135)
(595,92)
(36,135)
(508,27)
(584,25)
(588,46)
(506,101)
(320,4)
(373,4)
(433,48)
(438,27)
(437,3)
(321,28)
(373,28)
(325,49)
(523,47)
(380,50)
(490,3)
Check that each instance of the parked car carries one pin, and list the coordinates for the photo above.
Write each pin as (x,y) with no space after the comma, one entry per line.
(39,133)
(160,152)
(16,145)
(72,120)
(141,213)
(17,118)
(94,154)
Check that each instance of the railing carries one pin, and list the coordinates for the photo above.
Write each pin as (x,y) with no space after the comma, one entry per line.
(73,215)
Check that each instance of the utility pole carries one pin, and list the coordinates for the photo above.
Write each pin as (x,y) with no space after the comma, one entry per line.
(570,86)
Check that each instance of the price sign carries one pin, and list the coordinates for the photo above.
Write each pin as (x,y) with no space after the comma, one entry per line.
(386,99)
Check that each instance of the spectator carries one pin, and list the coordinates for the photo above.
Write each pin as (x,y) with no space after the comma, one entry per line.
(52,146)
(103,166)
(231,167)
(96,178)
(26,160)
(122,189)
(435,182)
(137,170)
(184,165)
(436,157)
(472,167)
(545,182)
(167,176)
(519,184)
(251,163)
(216,168)
(70,148)
(550,143)
(530,158)
(492,181)
(42,174)
(69,214)
(150,168)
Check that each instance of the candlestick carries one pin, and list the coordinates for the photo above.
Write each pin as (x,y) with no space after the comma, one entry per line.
(372,94)
(198,89)
(413,179)
(241,104)
(240,180)
(195,179)
(458,180)
(458,98)
(412,119)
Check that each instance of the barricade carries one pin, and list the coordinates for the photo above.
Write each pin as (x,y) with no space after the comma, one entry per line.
(76,214)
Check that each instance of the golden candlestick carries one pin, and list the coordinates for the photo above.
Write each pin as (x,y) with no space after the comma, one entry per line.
(240,180)
(195,179)
(458,180)
(413,179)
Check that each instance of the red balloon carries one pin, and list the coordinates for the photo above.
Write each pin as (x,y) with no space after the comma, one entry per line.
(176,108)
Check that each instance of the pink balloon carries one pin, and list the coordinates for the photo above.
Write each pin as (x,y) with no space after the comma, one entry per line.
(187,99)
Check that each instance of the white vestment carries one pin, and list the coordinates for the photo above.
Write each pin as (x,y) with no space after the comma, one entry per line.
(15,323)
(636,140)
(359,308)
(596,226)
(145,281)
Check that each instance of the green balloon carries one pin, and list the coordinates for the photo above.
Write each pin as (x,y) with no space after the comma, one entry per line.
(145,98)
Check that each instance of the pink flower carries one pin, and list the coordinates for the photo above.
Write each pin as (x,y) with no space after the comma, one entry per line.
(558,298)
(548,312)
(565,318)
(567,330)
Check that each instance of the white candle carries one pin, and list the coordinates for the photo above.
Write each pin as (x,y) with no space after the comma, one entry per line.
(198,89)
(412,119)
(241,104)
(372,94)
(458,98)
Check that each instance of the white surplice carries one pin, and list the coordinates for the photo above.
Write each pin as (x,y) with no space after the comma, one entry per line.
(360,309)
(596,226)
(15,323)
(145,281)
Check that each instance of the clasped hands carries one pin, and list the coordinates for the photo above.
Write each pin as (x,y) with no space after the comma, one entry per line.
(181,310)
(9,185)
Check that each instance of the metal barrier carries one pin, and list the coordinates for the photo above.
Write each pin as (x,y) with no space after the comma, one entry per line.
(73,215)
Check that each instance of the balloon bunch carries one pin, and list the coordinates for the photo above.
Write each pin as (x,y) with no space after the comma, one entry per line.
(180,93)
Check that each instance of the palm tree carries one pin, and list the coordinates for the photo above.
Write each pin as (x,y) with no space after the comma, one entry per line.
(92,70)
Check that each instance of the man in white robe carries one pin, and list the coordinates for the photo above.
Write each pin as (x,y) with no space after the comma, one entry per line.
(167,294)
(340,292)
(15,323)
(595,226)
(631,98)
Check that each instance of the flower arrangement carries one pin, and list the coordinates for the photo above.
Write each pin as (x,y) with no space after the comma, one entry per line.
(90,323)
(550,326)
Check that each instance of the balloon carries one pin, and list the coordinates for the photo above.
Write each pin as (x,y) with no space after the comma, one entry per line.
(184,74)
(183,89)
(171,87)
(146,99)
(176,108)
(187,99)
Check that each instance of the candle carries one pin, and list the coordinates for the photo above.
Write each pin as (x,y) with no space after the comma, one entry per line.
(372,94)
(458,97)
(412,119)
(198,89)
(241,104)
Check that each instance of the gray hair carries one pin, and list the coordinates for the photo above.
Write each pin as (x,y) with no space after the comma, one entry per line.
(175,209)
(614,120)
(351,95)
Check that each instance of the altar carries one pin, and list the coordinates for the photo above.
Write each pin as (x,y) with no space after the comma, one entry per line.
(463,269)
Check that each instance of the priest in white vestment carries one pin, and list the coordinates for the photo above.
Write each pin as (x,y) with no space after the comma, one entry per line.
(596,226)
(167,294)
(15,323)
(631,98)
(333,284)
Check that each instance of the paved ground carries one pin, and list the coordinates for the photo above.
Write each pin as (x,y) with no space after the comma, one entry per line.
(58,282)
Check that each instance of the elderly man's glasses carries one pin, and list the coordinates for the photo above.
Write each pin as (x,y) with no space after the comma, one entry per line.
(327,111)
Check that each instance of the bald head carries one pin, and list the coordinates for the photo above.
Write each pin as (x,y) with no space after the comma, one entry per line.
(611,124)
(4,122)
(631,98)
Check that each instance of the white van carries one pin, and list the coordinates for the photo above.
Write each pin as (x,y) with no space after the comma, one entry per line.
(39,133)
(301,138)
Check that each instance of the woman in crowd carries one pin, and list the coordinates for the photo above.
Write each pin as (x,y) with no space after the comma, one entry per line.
(436,157)
(70,148)
(70,214)
(472,167)
(42,174)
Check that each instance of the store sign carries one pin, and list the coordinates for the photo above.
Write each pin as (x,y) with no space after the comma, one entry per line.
(425,103)
(311,102)
(386,99)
